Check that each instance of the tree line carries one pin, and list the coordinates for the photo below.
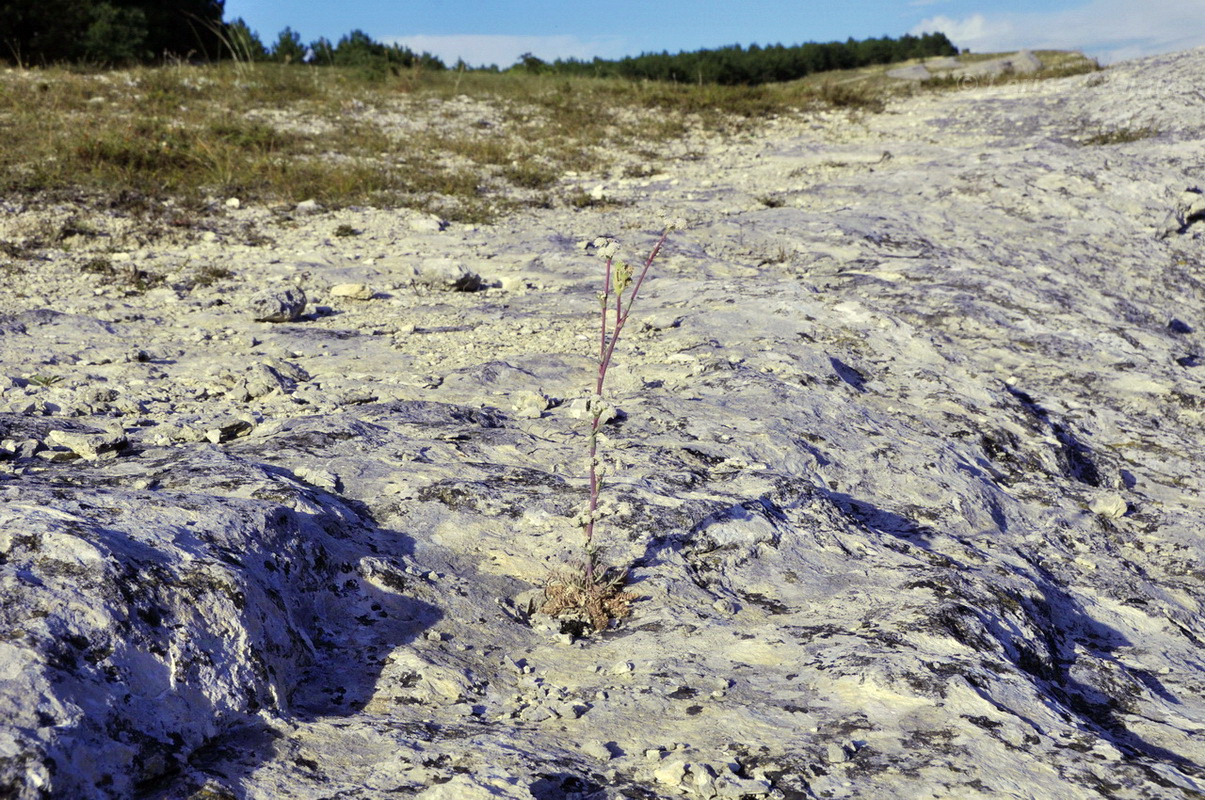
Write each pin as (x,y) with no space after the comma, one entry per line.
(122,32)
(753,65)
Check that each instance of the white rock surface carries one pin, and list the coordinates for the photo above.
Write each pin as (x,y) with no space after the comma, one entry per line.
(915,72)
(1021,63)
(910,488)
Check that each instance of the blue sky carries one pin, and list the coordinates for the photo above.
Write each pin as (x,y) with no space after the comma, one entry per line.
(498,31)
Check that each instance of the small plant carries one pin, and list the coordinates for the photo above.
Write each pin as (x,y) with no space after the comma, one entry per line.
(137,280)
(97,266)
(210,274)
(345,230)
(14,250)
(45,380)
(1120,136)
(590,589)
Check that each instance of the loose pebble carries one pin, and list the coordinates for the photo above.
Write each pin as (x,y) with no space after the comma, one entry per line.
(278,305)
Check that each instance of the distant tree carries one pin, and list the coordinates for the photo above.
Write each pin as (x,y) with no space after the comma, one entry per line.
(357,49)
(34,32)
(323,50)
(288,48)
(116,35)
(242,43)
(373,58)
(529,63)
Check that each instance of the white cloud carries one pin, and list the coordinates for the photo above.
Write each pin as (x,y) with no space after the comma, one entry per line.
(970,32)
(484,50)
(1106,29)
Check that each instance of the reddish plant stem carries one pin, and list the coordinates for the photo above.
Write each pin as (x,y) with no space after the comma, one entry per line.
(605,352)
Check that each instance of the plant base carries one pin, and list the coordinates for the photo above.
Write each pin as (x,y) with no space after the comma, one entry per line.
(596,599)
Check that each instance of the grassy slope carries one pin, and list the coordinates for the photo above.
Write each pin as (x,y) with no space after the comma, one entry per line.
(467,146)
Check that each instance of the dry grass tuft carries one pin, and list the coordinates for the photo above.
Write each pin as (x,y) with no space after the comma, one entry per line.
(597,600)
(1125,135)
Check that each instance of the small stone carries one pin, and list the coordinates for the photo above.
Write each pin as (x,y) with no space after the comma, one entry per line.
(702,780)
(278,305)
(308,207)
(536,713)
(622,668)
(446,274)
(427,224)
(1110,506)
(661,321)
(352,291)
(90,446)
(835,754)
(227,430)
(172,432)
(671,773)
(529,405)
(1196,208)
(732,786)
(596,748)
(571,710)
(233,202)
(724,606)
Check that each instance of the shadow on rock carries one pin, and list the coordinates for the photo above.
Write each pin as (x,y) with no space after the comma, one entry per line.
(159,628)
